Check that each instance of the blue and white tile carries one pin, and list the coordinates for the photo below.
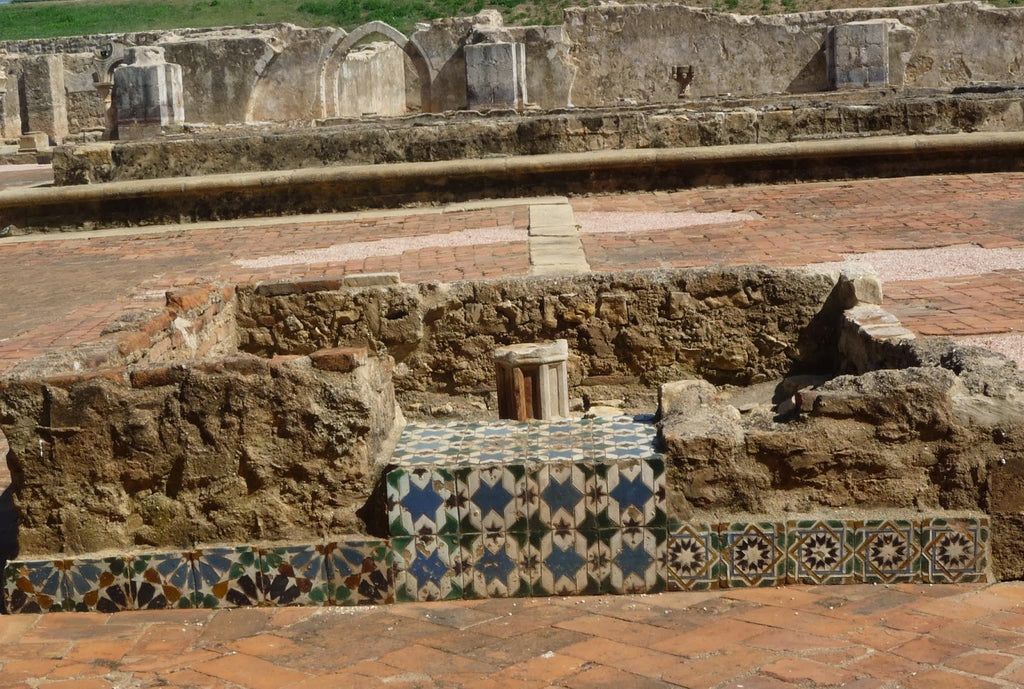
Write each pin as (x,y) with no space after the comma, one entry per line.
(636,558)
(636,493)
(566,495)
(753,554)
(427,568)
(954,550)
(421,500)
(491,498)
(428,444)
(491,565)
(692,560)
(563,560)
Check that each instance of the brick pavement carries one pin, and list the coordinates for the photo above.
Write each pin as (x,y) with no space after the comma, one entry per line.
(858,637)
(58,291)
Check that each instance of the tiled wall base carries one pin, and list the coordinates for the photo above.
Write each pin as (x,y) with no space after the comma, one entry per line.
(515,510)
(935,550)
(350,572)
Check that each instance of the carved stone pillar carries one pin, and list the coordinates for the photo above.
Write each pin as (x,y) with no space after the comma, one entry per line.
(533,381)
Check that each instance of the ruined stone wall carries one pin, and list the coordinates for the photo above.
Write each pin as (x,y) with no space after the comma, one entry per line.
(372,82)
(738,326)
(468,135)
(628,51)
(224,450)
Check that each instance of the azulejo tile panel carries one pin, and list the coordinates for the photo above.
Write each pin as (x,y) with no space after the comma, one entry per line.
(98,585)
(225,577)
(293,575)
(954,550)
(821,552)
(692,558)
(568,497)
(888,551)
(162,580)
(754,554)
(636,494)
(493,565)
(635,559)
(422,500)
(35,586)
(493,497)
(562,563)
(427,567)
(361,572)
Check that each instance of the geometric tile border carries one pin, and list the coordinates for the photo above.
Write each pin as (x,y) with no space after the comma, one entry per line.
(561,561)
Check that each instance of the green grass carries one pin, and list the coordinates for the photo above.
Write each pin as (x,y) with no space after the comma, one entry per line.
(44,19)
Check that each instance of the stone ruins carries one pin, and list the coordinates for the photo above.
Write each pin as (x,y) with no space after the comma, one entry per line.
(248,444)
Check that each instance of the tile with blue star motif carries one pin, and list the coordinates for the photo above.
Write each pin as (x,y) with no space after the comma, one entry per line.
(428,444)
(888,551)
(692,561)
(35,586)
(490,565)
(421,500)
(565,496)
(636,493)
(954,550)
(162,580)
(427,568)
(491,498)
(562,563)
(634,564)
(361,572)
(821,551)
(753,554)
(98,585)
(293,575)
(225,577)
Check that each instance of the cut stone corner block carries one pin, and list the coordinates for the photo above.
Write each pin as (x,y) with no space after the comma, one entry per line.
(532,380)
(858,54)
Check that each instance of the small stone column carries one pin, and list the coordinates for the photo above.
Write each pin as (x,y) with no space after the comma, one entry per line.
(148,94)
(858,54)
(533,382)
(495,75)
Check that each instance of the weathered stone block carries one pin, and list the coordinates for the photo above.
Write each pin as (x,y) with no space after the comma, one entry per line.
(858,54)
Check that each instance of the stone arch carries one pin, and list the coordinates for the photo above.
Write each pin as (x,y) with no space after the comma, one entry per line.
(340,45)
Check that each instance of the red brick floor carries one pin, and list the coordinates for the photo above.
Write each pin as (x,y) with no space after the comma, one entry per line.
(880,637)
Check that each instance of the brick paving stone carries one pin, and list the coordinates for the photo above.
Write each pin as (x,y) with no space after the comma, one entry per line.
(250,671)
(610,678)
(942,679)
(929,650)
(985,664)
(805,670)
(887,666)
(698,641)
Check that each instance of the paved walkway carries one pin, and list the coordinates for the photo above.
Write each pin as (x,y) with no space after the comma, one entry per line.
(856,637)
(951,250)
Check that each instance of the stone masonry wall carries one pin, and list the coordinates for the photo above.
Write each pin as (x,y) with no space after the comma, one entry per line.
(451,137)
(223,450)
(738,326)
